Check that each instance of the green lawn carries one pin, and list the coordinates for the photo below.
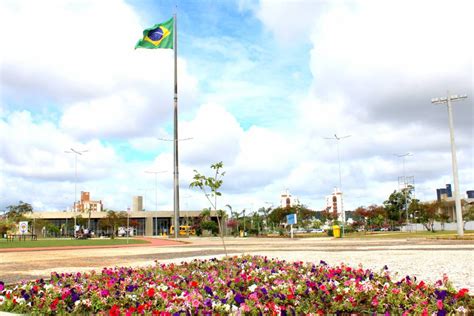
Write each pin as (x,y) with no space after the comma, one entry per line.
(468,234)
(56,242)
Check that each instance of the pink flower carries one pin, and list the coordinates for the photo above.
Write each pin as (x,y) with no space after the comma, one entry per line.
(439,304)
(375,302)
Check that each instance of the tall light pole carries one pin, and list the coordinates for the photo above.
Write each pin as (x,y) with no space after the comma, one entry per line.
(457,196)
(338,139)
(75,152)
(156,185)
(405,182)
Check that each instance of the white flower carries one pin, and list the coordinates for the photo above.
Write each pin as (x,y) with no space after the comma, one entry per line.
(162,287)
(253,287)
(48,286)
(2,299)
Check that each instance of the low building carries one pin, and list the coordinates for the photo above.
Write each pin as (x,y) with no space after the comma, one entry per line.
(148,223)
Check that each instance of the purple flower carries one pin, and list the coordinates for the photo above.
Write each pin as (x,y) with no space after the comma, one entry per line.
(323,263)
(239,299)
(264,291)
(74,296)
(442,312)
(208,290)
(208,302)
(440,295)
(2,286)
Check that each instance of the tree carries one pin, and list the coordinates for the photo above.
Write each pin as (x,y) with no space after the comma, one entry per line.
(468,213)
(113,220)
(278,215)
(427,213)
(396,204)
(265,211)
(210,186)
(16,213)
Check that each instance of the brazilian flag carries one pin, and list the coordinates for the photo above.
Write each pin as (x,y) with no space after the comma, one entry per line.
(158,36)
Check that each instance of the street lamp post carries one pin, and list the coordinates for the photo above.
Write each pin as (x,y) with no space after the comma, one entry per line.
(156,185)
(337,139)
(447,101)
(75,152)
(405,183)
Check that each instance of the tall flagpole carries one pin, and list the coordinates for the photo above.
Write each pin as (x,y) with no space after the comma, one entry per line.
(175,140)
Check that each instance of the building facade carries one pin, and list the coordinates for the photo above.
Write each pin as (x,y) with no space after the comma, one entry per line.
(334,204)
(287,200)
(137,204)
(144,223)
(447,202)
(87,205)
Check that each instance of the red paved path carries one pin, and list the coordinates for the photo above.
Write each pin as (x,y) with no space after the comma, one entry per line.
(152,242)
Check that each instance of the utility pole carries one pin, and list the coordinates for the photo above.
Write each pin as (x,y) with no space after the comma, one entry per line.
(343,213)
(457,197)
(75,152)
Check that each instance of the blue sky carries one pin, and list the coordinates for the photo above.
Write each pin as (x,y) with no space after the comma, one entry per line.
(261,85)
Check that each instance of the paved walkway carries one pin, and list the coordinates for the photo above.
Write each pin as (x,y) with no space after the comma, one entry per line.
(423,258)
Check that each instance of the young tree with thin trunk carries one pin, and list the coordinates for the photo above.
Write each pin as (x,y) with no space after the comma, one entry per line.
(210,186)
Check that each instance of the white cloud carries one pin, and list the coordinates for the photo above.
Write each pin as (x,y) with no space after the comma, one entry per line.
(89,67)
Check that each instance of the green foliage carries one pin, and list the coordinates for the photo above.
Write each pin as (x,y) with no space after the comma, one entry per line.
(426,213)
(396,203)
(304,215)
(113,220)
(210,187)
(16,213)
(210,225)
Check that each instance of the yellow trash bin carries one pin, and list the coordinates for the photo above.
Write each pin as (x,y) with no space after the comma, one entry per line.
(241,233)
(336,231)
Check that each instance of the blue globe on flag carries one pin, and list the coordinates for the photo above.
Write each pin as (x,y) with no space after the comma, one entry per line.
(155,34)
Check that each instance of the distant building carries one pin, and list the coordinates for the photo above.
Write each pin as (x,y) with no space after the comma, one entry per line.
(448,207)
(334,204)
(444,193)
(86,205)
(137,203)
(287,200)
(150,223)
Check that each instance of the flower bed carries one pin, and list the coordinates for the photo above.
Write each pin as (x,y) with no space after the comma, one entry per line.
(235,285)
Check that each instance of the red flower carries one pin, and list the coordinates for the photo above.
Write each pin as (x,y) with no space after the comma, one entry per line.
(114,311)
(193,284)
(54,304)
(140,309)
(150,292)
(461,293)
